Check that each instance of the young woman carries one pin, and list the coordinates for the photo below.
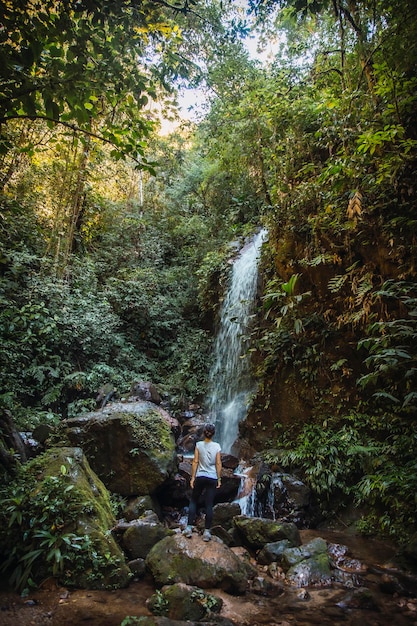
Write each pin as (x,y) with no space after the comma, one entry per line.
(205,477)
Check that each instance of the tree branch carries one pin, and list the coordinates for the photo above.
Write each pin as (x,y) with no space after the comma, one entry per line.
(72,127)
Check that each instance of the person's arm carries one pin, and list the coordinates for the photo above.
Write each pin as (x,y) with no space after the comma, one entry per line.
(219,469)
(194,467)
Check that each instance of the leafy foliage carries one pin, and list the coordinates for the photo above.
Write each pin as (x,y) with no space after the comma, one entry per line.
(391,346)
(365,458)
(42,511)
(77,65)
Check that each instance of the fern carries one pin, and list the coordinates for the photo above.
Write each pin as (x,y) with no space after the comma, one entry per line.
(336,283)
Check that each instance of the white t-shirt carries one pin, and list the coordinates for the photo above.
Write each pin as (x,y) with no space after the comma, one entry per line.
(207,453)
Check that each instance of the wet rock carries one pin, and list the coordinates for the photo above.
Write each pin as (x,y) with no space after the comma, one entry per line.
(279,495)
(184,602)
(195,562)
(257,531)
(310,572)
(191,432)
(129,445)
(308,564)
(187,443)
(292,556)
(141,536)
(361,598)
(273,551)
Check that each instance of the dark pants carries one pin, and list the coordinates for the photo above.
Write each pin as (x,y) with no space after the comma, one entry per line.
(208,485)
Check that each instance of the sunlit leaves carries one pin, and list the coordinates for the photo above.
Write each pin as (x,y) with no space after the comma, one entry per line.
(82,66)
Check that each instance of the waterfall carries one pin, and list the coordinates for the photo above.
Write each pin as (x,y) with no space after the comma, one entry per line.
(230,377)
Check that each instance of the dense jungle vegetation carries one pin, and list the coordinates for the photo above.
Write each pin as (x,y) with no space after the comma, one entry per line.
(115,238)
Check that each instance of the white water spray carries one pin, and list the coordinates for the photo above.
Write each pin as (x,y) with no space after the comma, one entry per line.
(230,379)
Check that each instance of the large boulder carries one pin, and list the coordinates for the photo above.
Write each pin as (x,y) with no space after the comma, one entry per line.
(310,572)
(195,562)
(292,556)
(223,514)
(257,531)
(65,479)
(129,445)
(140,505)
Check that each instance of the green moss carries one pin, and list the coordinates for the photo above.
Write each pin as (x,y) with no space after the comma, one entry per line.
(56,516)
(150,429)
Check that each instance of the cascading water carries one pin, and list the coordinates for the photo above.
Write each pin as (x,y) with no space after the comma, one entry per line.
(230,377)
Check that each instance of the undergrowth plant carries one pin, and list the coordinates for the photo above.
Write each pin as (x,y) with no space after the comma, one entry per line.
(364,459)
(38,516)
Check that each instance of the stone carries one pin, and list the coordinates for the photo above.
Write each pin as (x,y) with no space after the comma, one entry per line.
(261,586)
(272,552)
(184,602)
(129,445)
(292,556)
(138,506)
(144,390)
(141,536)
(310,572)
(258,531)
(137,567)
(224,512)
(195,562)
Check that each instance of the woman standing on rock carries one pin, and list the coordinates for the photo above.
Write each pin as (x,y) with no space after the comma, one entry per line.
(205,476)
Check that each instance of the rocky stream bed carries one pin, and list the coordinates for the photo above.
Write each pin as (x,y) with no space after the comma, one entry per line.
(382,595)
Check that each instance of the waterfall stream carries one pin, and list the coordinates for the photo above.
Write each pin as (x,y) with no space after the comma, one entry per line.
(230,377)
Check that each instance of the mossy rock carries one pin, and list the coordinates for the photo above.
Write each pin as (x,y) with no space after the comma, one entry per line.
(93,560)
(292,556)
(129,445)
(192,561)
(256,532)
(310,572)
(184,602)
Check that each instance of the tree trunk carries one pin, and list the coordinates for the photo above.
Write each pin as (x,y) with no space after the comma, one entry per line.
(12,448)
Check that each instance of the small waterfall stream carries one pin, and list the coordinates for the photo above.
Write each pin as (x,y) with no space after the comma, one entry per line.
(230,377)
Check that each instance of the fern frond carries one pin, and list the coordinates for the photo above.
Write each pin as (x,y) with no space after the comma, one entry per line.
(337,282)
